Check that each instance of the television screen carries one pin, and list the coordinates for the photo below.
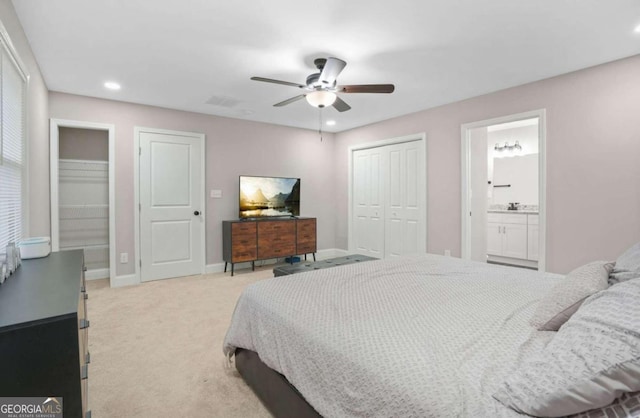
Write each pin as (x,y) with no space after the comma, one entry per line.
(269,196)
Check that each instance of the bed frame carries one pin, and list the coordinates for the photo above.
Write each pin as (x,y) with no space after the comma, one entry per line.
(280,397)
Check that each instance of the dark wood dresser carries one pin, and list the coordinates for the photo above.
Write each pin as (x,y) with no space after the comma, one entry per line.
(251,240)
(44,331)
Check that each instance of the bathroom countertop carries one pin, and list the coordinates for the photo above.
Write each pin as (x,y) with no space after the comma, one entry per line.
(524,212)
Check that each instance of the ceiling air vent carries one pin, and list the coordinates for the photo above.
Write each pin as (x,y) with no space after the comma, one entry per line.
(223,101)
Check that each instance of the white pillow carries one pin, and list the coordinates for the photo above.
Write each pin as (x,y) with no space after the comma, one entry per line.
(628,405)
(627,266)
(564,299)
(591,361)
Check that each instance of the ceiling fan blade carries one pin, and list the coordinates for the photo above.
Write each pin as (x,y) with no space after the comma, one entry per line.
(341,105)
(291,100)
(367,88)
(270,80)
(332,68)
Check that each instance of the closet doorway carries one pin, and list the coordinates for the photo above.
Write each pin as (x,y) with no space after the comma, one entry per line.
(387,197)
(83,193)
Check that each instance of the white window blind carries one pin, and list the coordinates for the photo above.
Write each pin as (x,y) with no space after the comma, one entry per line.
(12,142)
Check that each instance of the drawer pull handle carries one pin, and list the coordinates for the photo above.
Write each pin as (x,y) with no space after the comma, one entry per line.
(84,372)
(84,323)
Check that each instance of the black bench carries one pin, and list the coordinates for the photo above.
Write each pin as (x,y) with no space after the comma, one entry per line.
(322,264)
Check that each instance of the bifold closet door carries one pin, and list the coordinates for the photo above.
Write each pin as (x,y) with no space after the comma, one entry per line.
(405,208)
(368,206)
(389,203)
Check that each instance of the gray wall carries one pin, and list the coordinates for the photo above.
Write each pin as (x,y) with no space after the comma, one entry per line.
(233,147)
(593,144)
(83,144)
(593,174)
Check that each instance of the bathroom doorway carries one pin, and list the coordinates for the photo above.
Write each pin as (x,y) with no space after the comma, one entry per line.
(503,190)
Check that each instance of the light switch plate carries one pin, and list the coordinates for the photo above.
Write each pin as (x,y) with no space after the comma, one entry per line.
(216,194)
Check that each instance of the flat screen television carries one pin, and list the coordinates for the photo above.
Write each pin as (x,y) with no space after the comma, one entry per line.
(262,197)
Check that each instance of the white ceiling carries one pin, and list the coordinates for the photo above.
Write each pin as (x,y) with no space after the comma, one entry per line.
(179,53)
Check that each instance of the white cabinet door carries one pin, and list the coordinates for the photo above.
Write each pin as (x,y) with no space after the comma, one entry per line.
(494,239)
(514,241)
(532,248)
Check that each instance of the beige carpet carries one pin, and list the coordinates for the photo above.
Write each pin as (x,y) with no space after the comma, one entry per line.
(156,349)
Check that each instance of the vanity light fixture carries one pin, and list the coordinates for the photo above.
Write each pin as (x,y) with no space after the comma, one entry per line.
(331,122)
(507,147)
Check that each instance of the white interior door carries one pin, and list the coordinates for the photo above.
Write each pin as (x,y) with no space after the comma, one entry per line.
(478,196)
(404,213)
(171,204)
(368,208)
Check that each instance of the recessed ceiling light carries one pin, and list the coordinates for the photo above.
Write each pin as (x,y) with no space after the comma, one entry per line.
(112,85)
(637,29)
(331,122)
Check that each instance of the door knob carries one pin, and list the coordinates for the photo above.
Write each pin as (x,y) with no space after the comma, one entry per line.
(196,213)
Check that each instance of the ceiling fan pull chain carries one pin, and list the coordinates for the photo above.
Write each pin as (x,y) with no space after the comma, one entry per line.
(320,123)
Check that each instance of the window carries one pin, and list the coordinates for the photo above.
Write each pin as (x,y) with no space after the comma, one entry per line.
(13,86)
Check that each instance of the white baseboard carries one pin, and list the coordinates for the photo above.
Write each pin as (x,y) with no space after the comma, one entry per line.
(132,279)
(95,274)
(320,255)
(331,253)
(126,280)
(214,268)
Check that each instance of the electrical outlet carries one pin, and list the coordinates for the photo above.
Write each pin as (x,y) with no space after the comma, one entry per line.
(124,258)
(447,253)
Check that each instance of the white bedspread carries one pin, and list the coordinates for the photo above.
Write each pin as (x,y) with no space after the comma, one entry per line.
(424,336)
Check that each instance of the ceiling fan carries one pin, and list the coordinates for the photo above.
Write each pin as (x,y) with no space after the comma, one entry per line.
(321,87)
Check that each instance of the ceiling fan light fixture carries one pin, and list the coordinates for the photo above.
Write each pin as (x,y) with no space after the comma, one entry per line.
(321,98)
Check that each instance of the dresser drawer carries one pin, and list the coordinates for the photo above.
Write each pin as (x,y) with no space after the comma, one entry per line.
(306,236)
(306,225)
(306,247)
(516,218)
(243,228)
(494,218)
(244,241)
(240,255)
(276,239)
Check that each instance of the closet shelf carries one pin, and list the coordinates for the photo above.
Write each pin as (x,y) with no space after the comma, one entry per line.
(87,247)
(83,211)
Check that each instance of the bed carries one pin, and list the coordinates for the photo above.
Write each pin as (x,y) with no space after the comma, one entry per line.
(423,336)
